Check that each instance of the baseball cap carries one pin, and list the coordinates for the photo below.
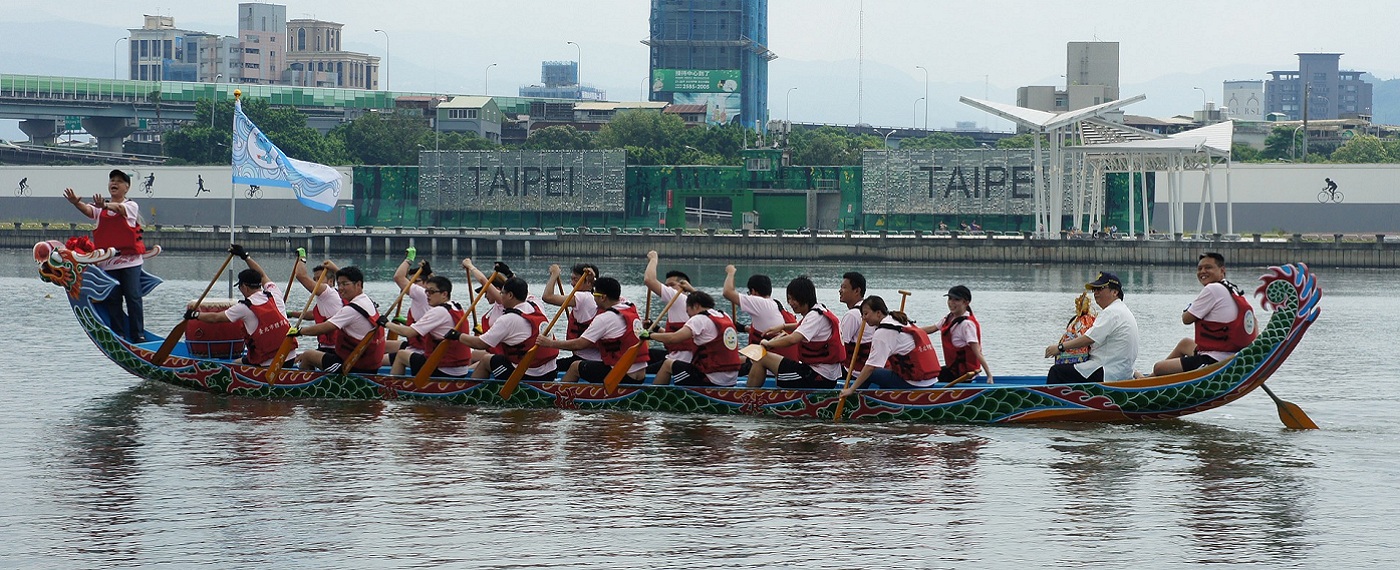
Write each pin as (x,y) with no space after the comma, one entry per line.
(1105,279)
(959,292)
(119,174)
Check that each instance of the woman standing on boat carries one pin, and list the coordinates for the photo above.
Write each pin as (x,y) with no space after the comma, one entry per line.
(818,342)
(119,226)
(902,356)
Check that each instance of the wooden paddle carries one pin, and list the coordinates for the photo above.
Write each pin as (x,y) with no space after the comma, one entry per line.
(965,377)
(841,403)
(903,296)
(430,366)
(619,370)
(178,332)
(1291,415)
(286,293)
(519,373)
(290,343)
(364,342)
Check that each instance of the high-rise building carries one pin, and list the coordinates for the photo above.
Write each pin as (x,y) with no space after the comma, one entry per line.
(560,81)
(315,58)
(1319,88)
(714,53)
(1091,78)
(262,35)
(1244,100)
(162,52)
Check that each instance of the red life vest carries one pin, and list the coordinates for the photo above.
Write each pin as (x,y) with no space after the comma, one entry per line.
(113,231)
(957,359)
(611,349)
(575,328)
(1212,336)
(419,342)
(921,363)
(861,350)
(269,333)
(374,353)
(756,336)
(486,317)
(721,354)
(687,345)
(829,351)
(456,354)
(325,340)
(515,352)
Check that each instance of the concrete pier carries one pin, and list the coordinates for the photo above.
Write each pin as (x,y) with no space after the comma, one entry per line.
(1323,250)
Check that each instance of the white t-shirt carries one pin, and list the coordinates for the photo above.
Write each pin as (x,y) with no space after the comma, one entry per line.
(244,314)
(1215,303)
(417,301)
(815,328)
(963,332)
(609,325)
(510,328)
(850,325)
(494,312)
(133,214)
(676,314)
(435,322)
(351,322)
(328,302)
(763,312)
(704,330)
(889,343)
(1115,348)
(584,308)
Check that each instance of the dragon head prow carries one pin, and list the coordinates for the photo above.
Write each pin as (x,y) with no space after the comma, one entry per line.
(63,267)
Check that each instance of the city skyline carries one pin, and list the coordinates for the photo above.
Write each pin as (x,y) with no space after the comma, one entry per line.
(983,49)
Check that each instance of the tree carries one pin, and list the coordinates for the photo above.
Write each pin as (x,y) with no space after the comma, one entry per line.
(938,140)
(1362,149)
(199,143)
(649,137)
(1284,142)
(559,137)
(1242,152)
(385,138)
(1023,140)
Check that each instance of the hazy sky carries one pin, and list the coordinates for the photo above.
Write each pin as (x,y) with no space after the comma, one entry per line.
(971,48)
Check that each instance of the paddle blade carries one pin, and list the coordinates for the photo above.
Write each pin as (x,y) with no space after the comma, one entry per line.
(614,377)
(518,374)
(430,365)
(288,344)
(840,405)
(171,340)
(1293,416)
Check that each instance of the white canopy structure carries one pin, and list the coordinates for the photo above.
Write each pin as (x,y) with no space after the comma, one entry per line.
(1056,126)
(1132,151)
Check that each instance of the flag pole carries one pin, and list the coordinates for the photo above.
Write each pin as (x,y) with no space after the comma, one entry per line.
(232,187)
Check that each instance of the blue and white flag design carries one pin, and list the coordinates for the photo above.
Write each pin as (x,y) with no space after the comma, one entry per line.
(256,161)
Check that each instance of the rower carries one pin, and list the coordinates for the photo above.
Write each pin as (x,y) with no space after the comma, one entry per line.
(1223,318)
(418,304)
(962,337)
(851,293)
(902,356)
(767,317)
(716,359)
(676,285)
(818,341)
(262,312)
(492,295)
(429,328)
(580,312)
(353,321)
(327,299)
(612,332)
(512,335)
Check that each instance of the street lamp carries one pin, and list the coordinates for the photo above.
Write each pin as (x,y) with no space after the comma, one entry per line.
(925,97)
(115,58)
(887,137)
(787,106)
(1205,115)
(488,79)
(1293,146)
(916,113)
(578,69)
(386,57)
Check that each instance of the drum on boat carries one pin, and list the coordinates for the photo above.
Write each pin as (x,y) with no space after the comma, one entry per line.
(214,340)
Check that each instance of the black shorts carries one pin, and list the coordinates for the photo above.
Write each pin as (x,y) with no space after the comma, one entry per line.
(331,362)
(595,371)
(686,374)
(502,368)
(794,374)
(1067,374)
(658,356)
(1195,361)
(418,359)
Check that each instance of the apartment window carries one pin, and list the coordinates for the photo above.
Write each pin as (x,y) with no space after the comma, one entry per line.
(145,50)
(272,55)
(1319,77)
(251,50)
(758,164)
(301,39)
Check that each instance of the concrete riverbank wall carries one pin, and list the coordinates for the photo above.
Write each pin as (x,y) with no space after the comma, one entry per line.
(1336,250)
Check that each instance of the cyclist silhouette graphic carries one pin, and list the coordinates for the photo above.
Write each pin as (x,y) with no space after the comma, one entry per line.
(150,181)
(23,189)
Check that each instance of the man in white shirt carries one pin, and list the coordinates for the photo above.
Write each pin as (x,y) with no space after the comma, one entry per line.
(262,312)
(355,321)
(677,282)
(612,332)
(1112,341)
(327,299)
(581,310)
(512,335)
(430,328)
(716,359)
(818,342)
(851,293)
(1223,318)
(767,317)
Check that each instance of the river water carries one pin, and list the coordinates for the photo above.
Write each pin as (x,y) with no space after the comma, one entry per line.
(100,469)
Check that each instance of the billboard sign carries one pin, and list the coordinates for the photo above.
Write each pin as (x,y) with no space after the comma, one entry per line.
(695,80)
(720,108)
(524,180)
(958,182)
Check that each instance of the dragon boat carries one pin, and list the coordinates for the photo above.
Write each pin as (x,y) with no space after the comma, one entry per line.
(1290,291)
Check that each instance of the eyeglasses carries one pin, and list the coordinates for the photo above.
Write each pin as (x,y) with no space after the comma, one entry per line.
(432,291)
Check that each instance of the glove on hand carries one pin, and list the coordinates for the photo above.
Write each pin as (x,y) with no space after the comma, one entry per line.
(192,314)
(239,251)
(452,335)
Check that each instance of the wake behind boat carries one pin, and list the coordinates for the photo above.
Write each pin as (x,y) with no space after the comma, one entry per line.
(1291,291)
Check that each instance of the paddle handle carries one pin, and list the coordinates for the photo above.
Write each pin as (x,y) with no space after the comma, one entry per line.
(841,402)
(903,296)
(287,293)
(614,377)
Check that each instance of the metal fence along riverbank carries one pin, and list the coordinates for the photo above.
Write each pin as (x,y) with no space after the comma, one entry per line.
(1335,250)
